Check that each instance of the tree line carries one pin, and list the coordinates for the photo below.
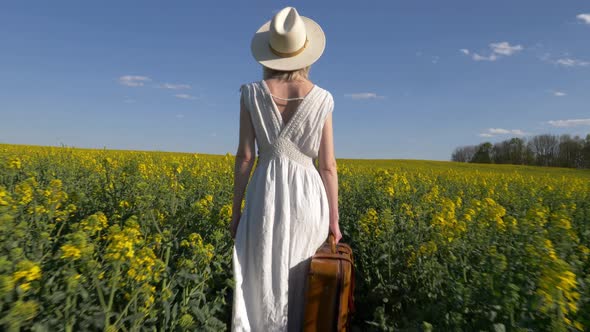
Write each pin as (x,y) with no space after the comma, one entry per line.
(540,150)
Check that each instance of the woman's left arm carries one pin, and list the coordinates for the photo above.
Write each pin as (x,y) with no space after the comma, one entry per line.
(245,158)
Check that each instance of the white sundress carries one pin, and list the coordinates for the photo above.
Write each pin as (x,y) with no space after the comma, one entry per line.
(286,216)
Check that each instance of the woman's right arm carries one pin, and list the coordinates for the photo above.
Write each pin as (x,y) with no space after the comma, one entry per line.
(329,174)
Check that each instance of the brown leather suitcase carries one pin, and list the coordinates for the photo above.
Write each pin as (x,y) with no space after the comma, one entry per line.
(329,295)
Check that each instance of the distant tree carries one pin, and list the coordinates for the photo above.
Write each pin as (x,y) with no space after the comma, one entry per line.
(579,163)
(463,153)
(529,154)
(483,153)
(458,154)
(570,151)
(500,153)
(540,150)
(586,153)
(545,148)
(517,151)
(470,152)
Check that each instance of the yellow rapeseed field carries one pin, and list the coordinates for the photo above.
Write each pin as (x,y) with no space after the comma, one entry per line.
(133,240)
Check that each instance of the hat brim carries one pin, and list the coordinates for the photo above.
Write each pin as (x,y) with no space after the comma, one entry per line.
(312,52)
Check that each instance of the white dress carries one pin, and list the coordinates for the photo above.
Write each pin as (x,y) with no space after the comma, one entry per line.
(286,216)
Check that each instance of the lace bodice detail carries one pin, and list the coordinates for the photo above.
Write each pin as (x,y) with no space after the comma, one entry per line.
(299,138)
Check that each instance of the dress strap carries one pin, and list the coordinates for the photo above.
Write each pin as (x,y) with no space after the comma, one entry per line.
(296,98)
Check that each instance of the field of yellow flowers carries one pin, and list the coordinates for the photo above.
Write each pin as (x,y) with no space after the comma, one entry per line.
(133,240)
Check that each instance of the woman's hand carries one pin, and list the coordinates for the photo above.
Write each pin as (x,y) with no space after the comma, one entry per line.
(335,229)
(233,227)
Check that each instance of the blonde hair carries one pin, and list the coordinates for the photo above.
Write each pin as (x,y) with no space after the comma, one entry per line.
(292,75)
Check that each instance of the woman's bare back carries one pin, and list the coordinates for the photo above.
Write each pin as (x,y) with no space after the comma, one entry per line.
(287,95)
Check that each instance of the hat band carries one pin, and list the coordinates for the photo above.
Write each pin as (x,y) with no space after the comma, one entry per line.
(288,54)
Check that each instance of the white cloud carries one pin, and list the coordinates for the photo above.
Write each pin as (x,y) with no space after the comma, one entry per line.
(363,95)
(491,132)
(584,18)
(180,116)
(569,123)
(129,101)
(505,48)
(185,96)
(491,57)
(133,80)
(559,93)
(498,131)
(565,60)
(569,62)
(174,86)
(499,50)
(517,132)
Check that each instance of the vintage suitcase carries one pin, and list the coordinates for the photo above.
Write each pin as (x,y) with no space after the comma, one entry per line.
(329,295)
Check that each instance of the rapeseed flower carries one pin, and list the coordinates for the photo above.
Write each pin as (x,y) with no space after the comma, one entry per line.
(70,252)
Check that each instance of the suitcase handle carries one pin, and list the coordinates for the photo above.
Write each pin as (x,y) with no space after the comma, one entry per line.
(332,241)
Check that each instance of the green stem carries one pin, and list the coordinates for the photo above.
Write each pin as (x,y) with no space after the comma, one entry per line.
(112,294)
(99,291)
(63,223)
(135,293)
(68,303)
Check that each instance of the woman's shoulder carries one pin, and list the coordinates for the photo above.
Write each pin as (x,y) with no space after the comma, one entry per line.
(246,88)
(325,92)
(246,84)
(251,83)
(258,84)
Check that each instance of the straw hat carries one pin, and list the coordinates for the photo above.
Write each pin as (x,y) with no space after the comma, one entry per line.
(288,41)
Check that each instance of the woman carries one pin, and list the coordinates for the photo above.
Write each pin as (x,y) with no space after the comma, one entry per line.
(290,207)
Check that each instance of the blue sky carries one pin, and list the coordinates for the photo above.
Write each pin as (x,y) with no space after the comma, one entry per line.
(410,79)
